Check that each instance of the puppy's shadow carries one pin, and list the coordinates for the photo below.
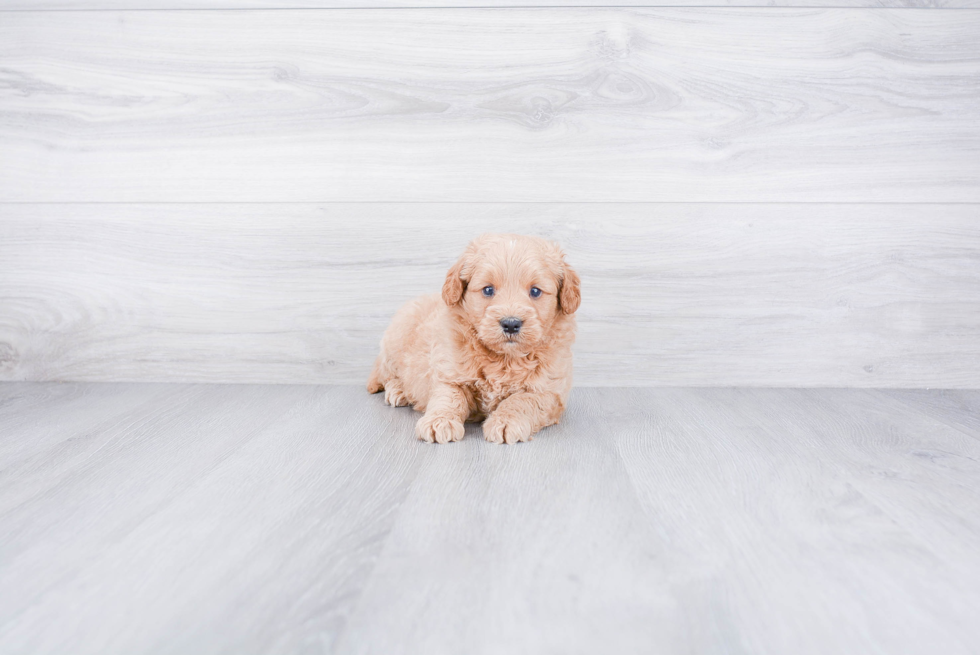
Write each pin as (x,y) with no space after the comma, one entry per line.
(401,421)
(473,431)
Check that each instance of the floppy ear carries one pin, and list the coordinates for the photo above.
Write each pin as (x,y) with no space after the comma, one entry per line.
(569,296)
(455,285)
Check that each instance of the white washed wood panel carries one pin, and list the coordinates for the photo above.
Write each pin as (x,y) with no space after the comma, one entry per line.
(27,5)
(491,105)
(674,294)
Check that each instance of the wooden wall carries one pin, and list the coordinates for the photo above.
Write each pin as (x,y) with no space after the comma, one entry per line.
(754,195)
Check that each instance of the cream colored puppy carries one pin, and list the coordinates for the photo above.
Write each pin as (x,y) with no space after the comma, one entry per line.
(496,346)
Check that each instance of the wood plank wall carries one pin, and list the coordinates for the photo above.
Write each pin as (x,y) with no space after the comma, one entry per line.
(102,5)
(753,195)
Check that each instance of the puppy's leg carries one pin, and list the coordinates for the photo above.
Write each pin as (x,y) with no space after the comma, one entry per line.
(375,384)
(521,415)
(394,394)
(445,412)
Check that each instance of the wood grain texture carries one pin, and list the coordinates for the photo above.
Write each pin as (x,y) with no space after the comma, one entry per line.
(100,5)
(750,295)
(956,408)
(176,525)
(789,461)
(265,519)
(741,105)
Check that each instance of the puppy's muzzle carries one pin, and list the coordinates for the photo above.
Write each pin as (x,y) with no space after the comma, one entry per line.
(511,325)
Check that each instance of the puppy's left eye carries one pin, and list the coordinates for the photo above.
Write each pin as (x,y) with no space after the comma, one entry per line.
(535,292)
(488,291)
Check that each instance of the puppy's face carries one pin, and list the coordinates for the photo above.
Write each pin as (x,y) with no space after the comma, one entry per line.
(511,289)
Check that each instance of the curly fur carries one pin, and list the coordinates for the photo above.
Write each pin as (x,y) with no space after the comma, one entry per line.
(447,355)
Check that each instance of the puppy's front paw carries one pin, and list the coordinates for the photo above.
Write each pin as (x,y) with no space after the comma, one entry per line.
(394,395)
(503,429)
(439,429)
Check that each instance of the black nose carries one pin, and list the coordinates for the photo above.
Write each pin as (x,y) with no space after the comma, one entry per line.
(511,325)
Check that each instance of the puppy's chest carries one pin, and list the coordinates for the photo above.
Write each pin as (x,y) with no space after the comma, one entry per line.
(490,393)
(493,385)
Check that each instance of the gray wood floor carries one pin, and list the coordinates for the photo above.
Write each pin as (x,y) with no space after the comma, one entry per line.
(219,518)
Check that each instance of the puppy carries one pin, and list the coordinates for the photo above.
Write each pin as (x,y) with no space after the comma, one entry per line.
(496,346)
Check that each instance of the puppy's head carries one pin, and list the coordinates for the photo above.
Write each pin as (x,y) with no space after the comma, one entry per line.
(512,290)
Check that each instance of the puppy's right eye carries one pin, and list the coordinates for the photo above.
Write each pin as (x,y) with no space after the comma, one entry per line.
(488,292)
